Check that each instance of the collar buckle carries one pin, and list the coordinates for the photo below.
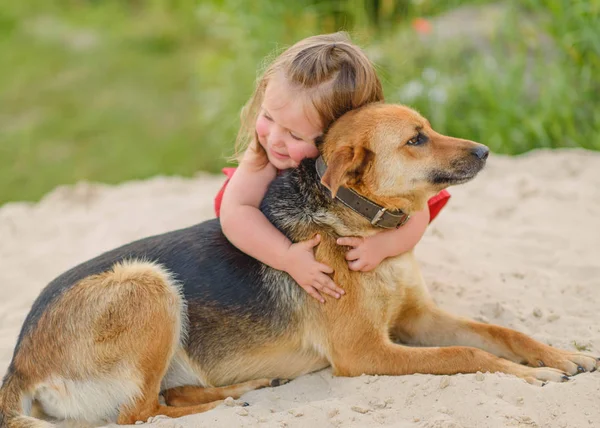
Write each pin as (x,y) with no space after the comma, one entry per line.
(378,216)
(403,221)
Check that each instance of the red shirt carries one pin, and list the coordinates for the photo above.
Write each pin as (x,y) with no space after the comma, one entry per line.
(436,203)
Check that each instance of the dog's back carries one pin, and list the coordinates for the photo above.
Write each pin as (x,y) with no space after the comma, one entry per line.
(231,305)
(200,258)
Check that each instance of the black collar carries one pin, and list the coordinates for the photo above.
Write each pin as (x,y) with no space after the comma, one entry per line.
(376,214)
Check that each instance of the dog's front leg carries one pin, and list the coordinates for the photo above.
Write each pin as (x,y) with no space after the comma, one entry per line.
(379,355)
(430,326)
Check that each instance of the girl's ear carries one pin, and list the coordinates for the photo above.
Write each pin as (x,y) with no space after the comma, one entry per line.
(346,167)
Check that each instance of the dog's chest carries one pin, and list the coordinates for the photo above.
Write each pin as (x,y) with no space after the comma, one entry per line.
(392,275)
(386,289)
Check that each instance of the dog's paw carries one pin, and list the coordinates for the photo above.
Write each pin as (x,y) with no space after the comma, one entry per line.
(571,363)
(539,376)
(542,375)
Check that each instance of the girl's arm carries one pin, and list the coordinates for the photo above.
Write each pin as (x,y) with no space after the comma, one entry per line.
(367,253)
(248,229)
(242,222)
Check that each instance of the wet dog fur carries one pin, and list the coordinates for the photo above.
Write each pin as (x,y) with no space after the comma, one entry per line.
(186,315)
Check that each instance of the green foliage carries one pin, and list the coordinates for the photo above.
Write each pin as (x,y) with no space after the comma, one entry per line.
(112,90)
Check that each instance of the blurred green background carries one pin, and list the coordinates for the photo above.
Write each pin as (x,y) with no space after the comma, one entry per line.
(112,90)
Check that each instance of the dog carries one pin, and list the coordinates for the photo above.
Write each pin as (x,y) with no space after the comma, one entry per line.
(186,316)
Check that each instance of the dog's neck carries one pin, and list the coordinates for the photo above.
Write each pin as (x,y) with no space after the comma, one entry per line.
(376,214)
(298,204)
(295,201)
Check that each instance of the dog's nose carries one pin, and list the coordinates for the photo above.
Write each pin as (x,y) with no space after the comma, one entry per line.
(481,152)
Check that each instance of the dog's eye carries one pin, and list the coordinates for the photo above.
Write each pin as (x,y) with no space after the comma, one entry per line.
(417,140)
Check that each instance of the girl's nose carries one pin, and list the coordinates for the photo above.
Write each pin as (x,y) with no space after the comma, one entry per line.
(276,138)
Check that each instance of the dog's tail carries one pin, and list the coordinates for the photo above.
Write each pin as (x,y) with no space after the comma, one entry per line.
(14,402)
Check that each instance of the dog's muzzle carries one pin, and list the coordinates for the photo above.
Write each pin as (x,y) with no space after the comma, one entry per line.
(463,169)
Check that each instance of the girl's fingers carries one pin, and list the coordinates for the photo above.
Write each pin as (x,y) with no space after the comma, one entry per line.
(356,265)
(314,293)
(334,287)
(329,291)
(326,285)
(352,255)
(309,244)
(331,288)
(313,242)
(326,281)
(349,241)
(324,268)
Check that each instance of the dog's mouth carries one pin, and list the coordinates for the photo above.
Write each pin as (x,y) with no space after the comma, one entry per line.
(460,172)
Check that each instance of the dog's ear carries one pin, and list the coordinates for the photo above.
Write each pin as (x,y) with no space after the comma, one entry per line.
(346,166)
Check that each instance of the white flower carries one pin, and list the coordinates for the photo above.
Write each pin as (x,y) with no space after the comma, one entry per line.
(429,75)
(411,91)
(438,95)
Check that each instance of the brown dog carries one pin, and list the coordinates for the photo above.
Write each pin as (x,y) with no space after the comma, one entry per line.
(186,313)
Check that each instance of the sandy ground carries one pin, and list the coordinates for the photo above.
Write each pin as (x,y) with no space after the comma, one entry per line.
(519,246)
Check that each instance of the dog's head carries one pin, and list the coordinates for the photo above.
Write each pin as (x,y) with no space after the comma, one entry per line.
(391,155)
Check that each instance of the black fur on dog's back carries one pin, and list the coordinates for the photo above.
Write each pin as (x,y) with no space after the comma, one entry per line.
(212,272)
(297,203)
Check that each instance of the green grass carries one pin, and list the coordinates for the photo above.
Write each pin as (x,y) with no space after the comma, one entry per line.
(111,90)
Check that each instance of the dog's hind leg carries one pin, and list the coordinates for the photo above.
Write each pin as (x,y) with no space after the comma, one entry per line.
(190,395)
(152,313)
(427,325)
(147,405)
(101,349)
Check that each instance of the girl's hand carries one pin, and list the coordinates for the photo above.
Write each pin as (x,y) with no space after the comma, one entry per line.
(300,264)
(365,254)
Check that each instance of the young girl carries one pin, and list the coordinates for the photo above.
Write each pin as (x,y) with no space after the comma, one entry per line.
(301,93)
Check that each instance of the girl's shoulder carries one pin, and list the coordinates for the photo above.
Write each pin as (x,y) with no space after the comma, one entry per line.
(253,164)
(255,160)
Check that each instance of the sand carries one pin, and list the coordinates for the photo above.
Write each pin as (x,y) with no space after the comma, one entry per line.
(519,246)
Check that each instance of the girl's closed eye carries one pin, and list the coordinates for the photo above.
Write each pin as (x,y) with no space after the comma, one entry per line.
(295,137)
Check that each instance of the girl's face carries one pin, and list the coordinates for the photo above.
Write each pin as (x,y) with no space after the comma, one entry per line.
(287,125)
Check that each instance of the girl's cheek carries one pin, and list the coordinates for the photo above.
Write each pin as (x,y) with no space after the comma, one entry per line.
(262,127)
(297,152)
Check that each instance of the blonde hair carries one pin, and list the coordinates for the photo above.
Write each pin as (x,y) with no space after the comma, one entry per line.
(336,74)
